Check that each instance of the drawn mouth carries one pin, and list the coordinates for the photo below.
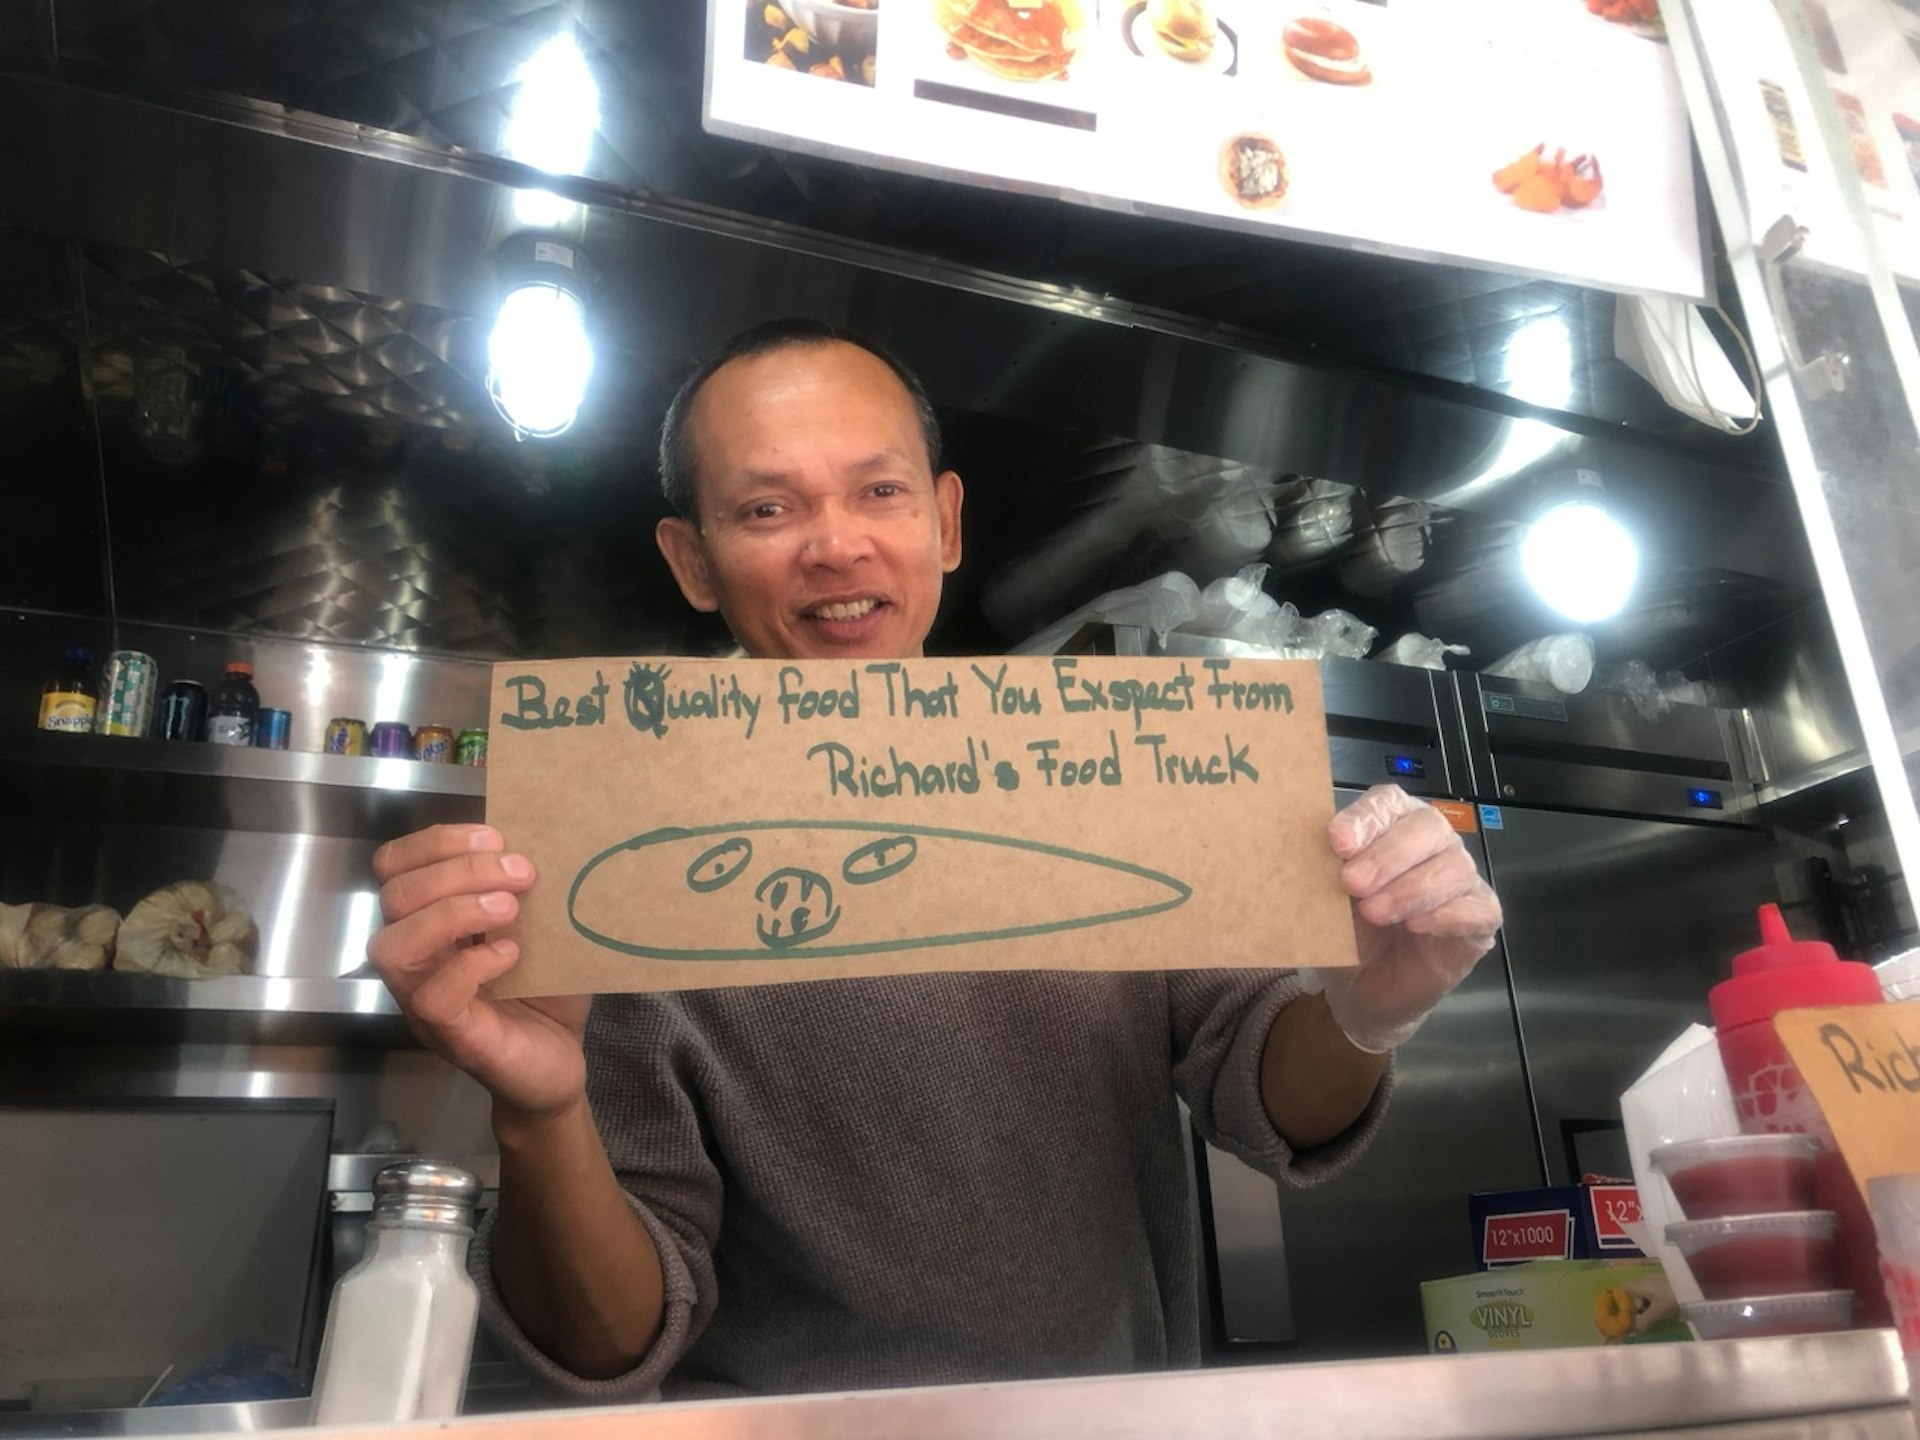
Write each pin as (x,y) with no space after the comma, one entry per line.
(796,906)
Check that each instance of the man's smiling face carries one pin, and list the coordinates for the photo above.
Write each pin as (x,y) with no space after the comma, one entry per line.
(822,531)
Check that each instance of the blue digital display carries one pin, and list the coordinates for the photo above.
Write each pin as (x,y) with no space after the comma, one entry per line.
(1705,799)
(1407,766)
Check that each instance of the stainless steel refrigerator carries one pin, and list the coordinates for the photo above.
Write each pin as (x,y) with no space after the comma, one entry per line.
(1622,850)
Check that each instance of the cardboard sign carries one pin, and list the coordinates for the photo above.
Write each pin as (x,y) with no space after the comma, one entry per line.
(1862,1064)
(702,823)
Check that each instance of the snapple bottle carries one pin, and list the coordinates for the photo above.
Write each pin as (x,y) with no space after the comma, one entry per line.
(1788,974)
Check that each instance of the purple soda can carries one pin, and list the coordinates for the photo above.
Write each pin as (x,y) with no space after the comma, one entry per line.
(392,741)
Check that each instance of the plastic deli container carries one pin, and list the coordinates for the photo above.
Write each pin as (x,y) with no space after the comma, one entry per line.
(1751,1317)
(1740,1174)
(1787,974)
(1896,1213)
(1747,1255)
(1900,977)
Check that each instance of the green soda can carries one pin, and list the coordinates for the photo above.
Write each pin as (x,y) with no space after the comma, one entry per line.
(471,748)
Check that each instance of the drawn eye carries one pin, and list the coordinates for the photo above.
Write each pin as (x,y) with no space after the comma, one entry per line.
(878,859)
(720,864)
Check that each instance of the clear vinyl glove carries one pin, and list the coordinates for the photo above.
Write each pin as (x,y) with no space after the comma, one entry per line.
(1422,917)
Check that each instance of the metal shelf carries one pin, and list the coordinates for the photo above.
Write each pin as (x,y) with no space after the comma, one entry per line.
(104,779)
(347,1012)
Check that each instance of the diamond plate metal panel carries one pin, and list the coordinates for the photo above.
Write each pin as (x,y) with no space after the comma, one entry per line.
(442,73)
(308,461)
(355,354)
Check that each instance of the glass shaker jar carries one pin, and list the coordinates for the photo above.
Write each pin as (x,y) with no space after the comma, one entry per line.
(400,1331)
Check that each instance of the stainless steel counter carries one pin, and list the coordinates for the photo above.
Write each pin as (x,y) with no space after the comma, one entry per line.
(1823,1385)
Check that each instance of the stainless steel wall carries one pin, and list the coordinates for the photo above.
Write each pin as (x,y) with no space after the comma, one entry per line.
(290,432)
(312,892)
(1616,930)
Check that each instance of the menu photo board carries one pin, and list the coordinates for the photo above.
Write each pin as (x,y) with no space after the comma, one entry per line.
(1868,53)
(1541,136)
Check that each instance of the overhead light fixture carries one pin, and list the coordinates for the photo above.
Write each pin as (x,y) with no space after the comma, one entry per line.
(1578,558)
(551,125)
(539,354)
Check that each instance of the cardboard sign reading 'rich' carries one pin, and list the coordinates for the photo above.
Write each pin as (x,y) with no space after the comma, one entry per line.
(1863,1065)
(703,823)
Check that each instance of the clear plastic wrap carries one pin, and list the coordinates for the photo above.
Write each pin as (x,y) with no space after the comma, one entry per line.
(1332,633)
(1233,526)
(1312,520)
(1634,681)
(1235,608)
(1238,608)
(1159,605)
(1652,696)
(54,937)
(1393,547)
(1422,652)
(1563,661)
(191,930)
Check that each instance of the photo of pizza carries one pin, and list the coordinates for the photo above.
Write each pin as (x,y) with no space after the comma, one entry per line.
(1253,170)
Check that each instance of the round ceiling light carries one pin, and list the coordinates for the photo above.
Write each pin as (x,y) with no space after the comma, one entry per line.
(539,359)
(1580,560)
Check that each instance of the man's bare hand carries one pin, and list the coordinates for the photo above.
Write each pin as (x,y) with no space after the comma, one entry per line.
(441,889)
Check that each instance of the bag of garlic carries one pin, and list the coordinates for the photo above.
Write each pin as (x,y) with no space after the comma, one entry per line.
(191,930)
(54,937)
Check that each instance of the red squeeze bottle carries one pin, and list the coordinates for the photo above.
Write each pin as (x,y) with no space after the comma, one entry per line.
(1788,974)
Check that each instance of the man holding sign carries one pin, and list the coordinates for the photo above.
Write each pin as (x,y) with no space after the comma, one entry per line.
(902,1178)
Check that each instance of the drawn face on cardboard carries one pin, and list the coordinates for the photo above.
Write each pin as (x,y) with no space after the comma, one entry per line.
(823,532)
(805,889)
(795,905)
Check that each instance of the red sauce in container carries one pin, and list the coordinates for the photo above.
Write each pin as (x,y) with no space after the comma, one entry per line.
(1758,1255)
(1740,1174)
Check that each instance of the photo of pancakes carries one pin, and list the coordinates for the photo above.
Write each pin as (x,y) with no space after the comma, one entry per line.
(1013,39)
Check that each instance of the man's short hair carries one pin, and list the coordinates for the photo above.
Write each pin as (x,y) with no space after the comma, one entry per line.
(678,463)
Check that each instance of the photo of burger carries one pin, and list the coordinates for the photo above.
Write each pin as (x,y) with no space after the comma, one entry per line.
(1013,39)
(1253,170)
(1186,32)
(1183,28)
(1324,50)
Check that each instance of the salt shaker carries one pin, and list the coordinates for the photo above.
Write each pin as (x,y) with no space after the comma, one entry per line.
(400,1331)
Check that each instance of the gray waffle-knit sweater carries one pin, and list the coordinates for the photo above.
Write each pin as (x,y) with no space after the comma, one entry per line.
(927,1179)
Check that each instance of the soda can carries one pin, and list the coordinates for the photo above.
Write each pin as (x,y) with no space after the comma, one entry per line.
(345,736)
(272,729)
(471,748)
(129,688)
(392,741)
(183,711)
(433,744)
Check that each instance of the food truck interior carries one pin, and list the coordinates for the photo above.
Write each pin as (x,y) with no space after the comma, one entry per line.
(249,258)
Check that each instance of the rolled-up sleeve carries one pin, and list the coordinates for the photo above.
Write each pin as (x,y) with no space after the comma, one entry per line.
(641,1084)
(1219,1021)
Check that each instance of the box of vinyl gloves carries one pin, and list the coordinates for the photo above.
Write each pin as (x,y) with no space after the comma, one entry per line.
(1552,1305)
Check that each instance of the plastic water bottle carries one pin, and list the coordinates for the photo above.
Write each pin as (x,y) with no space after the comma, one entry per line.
(400,1331)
